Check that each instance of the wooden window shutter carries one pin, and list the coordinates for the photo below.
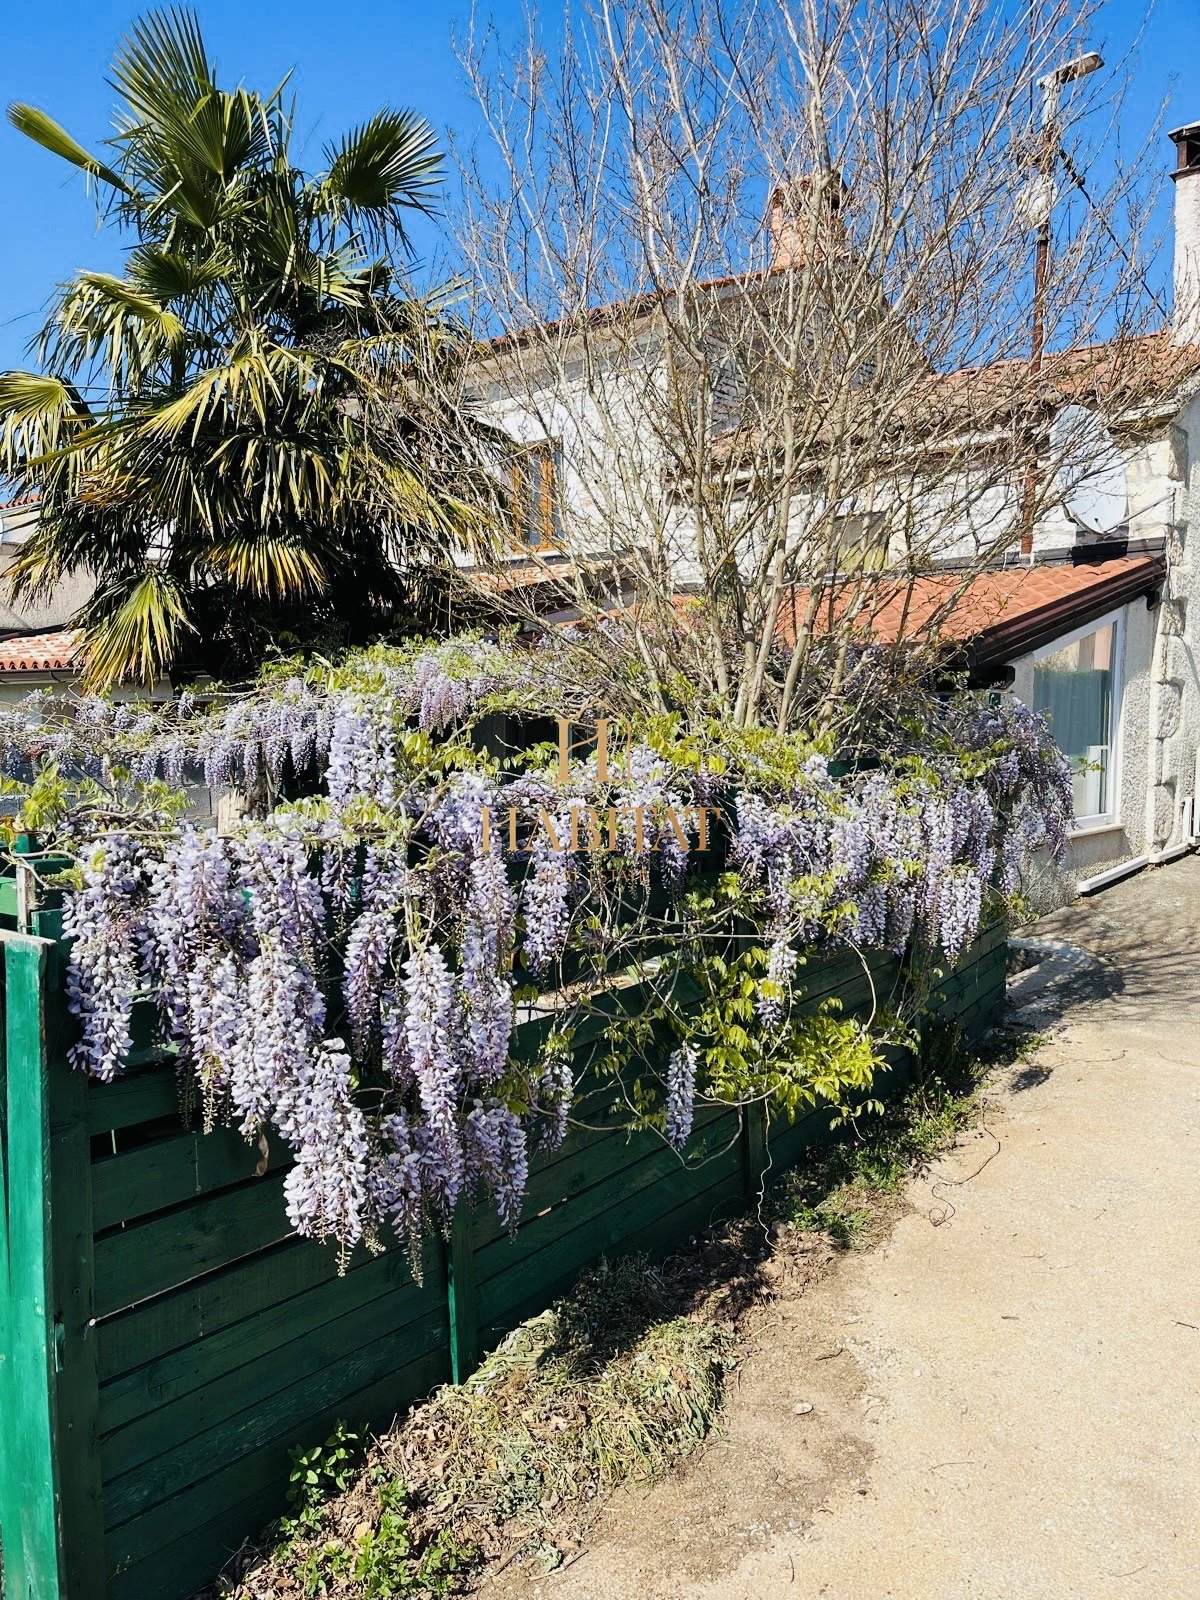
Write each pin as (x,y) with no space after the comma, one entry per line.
(546,488)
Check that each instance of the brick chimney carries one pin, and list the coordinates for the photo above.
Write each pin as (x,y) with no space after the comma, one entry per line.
(790,218)
(1185,322)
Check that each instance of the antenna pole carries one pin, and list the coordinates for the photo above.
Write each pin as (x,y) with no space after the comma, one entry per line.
(1037,343)
(1040,205)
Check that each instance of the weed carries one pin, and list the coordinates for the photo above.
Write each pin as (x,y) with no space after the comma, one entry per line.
(386,1558)
(317,1475)
(389,1563)
(839,1190)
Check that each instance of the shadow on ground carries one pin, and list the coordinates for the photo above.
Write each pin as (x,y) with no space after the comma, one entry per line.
(1130,950)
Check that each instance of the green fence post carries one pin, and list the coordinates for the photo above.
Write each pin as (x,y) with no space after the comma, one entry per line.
(28,1520)
(50,1475)
(461,1297)
(77,1408)
(755,1157)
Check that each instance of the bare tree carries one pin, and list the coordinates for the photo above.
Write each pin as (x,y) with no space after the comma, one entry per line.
(756,276)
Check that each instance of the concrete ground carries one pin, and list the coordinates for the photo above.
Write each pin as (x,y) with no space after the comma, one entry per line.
(1002,1401)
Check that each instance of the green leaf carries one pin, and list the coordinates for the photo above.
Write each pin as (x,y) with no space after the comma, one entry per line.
(43,130)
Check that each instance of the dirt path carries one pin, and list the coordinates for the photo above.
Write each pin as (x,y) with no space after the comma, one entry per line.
(1005,1397)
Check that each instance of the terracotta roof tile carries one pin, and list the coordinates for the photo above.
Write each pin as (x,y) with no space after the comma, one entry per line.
(1116,378)
(40,652)
(1003,609)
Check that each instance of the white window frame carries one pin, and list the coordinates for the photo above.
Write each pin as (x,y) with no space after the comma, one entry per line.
(1112,817)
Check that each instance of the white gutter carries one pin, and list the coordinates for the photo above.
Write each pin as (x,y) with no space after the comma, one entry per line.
(1111,875)
(1171,853)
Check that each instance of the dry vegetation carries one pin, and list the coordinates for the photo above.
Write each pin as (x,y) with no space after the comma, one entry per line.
(617,1383)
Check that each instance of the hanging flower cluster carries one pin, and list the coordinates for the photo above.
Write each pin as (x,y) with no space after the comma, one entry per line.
(347,971)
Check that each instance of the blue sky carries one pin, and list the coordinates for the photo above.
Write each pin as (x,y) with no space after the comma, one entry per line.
(348,58)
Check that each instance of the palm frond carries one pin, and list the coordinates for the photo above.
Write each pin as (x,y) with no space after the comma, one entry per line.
(166,275)
(132,628)
(271,565)
(52,136)
(162,65)
(35,408)
(102,318)
(387,164)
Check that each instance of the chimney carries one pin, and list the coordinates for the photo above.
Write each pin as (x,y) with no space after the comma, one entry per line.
(1185,323)
(790,218)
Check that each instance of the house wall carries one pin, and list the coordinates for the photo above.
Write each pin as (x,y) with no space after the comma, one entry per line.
(597,410)
(1175,721)
(610,462)
(1159,729)
(54,610)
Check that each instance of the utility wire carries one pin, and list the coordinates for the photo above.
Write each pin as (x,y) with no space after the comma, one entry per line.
(1078,180)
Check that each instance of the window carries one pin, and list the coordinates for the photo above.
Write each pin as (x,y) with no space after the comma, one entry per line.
(536,472)
(860,543)
(1076,687)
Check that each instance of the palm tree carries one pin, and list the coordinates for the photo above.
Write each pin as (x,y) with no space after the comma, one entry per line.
(256,425)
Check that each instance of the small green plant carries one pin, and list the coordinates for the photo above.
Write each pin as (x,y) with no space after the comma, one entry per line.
(838,1191)
(844,1222)
(324,1562)
(317,1474)
(388,1560)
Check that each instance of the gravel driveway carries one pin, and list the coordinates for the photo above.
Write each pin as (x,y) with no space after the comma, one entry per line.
(1005,1396)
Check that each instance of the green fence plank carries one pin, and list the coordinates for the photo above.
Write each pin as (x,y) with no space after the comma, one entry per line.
(185,1565)
(202,1363)
(77,1425)
(33,1569)
(132,1184)
(8,898)
(586,1159)
(142,1095)
(658,1236)
(150,1257)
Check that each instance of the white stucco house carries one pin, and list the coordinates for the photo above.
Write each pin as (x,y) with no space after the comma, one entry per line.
(38,648)
(1099,631)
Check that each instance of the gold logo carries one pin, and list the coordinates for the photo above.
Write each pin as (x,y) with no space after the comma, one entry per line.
(597,829)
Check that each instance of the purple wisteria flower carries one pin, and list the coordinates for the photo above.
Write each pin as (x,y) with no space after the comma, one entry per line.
(681,1095)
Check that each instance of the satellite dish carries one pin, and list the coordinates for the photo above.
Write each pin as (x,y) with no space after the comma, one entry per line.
(1089,471)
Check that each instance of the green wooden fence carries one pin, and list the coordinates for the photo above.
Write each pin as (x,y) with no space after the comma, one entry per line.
(166,1339)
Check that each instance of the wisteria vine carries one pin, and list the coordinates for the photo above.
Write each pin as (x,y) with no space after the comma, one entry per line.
(382,963)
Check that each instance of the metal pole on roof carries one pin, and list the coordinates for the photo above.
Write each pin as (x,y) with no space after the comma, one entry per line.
(1039,205)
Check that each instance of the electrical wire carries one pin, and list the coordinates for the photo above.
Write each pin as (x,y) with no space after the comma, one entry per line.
(1077,178)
